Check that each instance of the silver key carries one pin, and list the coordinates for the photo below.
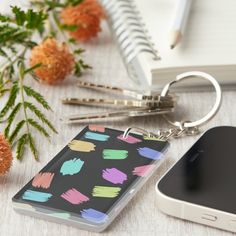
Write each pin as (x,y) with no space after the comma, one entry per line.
(124,113)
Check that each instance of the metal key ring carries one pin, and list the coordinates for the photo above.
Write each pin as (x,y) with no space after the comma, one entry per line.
(211,113)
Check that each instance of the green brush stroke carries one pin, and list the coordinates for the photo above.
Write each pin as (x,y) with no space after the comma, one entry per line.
(103,191)
(114,154)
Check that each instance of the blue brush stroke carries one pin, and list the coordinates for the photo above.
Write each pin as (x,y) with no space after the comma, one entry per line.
(150,153)
(71,167)
(95,136)
(36,196)
(94,215)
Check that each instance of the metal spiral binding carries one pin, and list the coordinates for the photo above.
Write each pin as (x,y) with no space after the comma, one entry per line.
(129,31)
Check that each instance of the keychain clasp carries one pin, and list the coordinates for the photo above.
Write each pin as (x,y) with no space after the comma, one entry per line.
(183,127)
(211,113)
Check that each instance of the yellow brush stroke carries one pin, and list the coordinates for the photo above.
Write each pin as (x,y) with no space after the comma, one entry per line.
(81,146)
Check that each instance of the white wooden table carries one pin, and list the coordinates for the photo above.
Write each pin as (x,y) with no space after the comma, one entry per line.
(141,216)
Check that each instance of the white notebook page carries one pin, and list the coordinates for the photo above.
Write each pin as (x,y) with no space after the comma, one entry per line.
(210,34)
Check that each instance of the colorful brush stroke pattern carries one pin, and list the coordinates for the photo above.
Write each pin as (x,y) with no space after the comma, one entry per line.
(36,196)
(114,154)
(129,139)
(43,180)
(71,167)
(96,136)
(105,191)
(96,128)
(74,196)
(81,146)
(107,160)
(114,175)
(94,215)
(143,170)
(150,153)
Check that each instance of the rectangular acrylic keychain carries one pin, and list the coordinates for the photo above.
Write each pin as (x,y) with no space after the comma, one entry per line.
(91,180)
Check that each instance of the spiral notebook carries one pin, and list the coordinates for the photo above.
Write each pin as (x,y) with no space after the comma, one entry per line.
(141,28)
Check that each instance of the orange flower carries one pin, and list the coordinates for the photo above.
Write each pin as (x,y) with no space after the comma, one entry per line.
(87,16)
(5,155)
(92,7)
(56,59)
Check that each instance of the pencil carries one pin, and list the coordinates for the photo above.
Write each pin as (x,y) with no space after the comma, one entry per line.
(179,22)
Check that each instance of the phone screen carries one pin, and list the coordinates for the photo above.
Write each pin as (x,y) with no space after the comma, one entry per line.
(206,174)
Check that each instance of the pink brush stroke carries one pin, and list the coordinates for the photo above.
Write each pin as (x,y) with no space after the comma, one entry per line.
(114,176)
(43,180)
(142,170)
(97,128)
(129,139)
(74,196)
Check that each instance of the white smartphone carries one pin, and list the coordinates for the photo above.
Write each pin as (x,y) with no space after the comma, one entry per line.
(201,186)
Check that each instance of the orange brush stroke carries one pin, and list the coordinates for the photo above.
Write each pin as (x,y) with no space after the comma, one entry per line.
(43,180)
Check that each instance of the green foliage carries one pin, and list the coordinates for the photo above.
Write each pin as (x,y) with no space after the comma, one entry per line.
(80,66)
(11,118)
(79,51)
(37,126)
(52,4)
(21,146)
(11,99)
(33,147)
(73,2)
(16,131)
(4,18)
(12,35)
(31,19)
(72,41)
(40,115)
(17,30)
(69,27)
(37,96)
(21,91)
(31,69)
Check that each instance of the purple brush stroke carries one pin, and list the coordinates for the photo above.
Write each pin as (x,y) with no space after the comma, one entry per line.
(114,176)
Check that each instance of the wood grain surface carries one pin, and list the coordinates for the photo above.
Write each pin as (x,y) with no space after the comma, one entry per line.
(141,216)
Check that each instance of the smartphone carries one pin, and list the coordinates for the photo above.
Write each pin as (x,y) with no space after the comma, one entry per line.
(91,179)
(201,186)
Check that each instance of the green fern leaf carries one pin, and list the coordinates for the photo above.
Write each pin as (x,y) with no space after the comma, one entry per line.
(37,96)
(31,69)
(37,126)
(11,100)
(21,146)
(11,118)
(33,147)
(16,131)
(40,115)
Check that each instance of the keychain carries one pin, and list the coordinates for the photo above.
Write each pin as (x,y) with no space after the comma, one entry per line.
(100,170)
(133,104)
(181,128)
(143,104)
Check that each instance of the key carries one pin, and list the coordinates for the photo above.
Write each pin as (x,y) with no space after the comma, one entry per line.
(120,91)
(116,102)
(116,114)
